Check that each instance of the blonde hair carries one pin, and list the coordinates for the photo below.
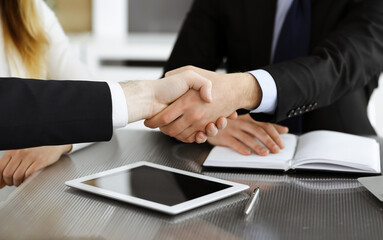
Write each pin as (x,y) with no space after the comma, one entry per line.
(23,32)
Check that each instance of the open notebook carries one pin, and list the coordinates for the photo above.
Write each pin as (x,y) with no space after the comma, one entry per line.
(319,150)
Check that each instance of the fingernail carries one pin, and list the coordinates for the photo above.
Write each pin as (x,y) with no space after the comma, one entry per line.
(200,140)
(264,151)
(275,149)
(213,132)
(282,144)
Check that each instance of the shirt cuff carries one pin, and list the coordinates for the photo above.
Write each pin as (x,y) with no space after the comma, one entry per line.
(119,108)
(269,92)
(78,146)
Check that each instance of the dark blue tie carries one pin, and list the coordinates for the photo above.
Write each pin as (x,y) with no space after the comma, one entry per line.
(294,42)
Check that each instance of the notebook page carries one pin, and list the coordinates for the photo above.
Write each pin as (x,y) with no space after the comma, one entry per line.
(226,157)
(338,148)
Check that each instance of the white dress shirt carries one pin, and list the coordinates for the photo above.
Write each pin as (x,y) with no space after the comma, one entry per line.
(62,64)
(266,81)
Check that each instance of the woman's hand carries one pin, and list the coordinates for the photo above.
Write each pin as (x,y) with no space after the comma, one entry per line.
(241,134)
(17,165)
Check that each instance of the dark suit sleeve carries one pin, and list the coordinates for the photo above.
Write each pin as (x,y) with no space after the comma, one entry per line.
(347,60)
(199,42)
(40,112)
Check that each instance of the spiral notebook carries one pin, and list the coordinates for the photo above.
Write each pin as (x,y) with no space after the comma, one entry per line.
(317,150)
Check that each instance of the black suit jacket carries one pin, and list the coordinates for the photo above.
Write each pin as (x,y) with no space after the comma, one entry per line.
(38,112)
(331,87)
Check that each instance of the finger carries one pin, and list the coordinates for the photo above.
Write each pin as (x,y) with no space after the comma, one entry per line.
(201,84)
(19,175)
(221,123)
(237,146)
(34,167)
(200,137)
(3,163)
(261,134)
(233,116)
(189,135)
(211,130)
(167,116)
(177,129)
(274,134)
(193,129)
(10,169)
(2,184)
(281,129)
(250,142)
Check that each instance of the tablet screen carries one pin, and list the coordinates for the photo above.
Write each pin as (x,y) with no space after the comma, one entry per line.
(157,185)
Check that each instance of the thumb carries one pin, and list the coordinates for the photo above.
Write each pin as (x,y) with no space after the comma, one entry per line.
(201,84)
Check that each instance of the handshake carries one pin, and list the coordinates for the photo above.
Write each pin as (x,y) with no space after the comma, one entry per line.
(190,103)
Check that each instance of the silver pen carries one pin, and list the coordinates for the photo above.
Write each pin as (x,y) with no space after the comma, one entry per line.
(250,204)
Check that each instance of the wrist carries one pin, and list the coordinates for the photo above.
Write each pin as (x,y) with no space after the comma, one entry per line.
(139,97)
(251,92)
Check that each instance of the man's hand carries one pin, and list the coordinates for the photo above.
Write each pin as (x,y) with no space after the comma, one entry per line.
(144,99)
(17,165)
(241,135)
(189,115)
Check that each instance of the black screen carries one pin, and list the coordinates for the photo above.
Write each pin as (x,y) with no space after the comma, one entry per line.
(157,185)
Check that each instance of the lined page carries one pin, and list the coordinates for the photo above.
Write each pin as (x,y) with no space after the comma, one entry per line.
(226,157)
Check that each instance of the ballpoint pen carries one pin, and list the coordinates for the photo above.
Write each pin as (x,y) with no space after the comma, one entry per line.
(250,204)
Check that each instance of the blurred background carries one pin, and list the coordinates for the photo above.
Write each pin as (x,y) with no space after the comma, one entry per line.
(131,39)
(122,39)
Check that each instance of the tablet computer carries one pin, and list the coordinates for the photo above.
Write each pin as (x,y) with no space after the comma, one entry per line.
(157,187)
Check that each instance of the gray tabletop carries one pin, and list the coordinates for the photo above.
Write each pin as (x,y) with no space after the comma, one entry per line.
(295,205)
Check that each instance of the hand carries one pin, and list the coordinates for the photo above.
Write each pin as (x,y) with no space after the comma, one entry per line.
(146,98)
(211,129)
(189,115)
(241,135)
(17,165)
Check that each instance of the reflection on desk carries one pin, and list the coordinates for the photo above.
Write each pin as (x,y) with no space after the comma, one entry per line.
(291,206)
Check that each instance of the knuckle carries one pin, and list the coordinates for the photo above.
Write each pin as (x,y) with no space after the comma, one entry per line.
(194,117)
(172,132)
(188,68)
(164,119)
(17,177)
(7,174)
(268,126)
(165,130)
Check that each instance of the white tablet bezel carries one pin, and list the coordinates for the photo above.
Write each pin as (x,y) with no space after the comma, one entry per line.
(173,210)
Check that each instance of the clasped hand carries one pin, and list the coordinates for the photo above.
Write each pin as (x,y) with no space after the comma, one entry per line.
(187,117)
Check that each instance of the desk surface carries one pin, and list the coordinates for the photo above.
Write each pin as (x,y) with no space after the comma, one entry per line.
(291,206)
